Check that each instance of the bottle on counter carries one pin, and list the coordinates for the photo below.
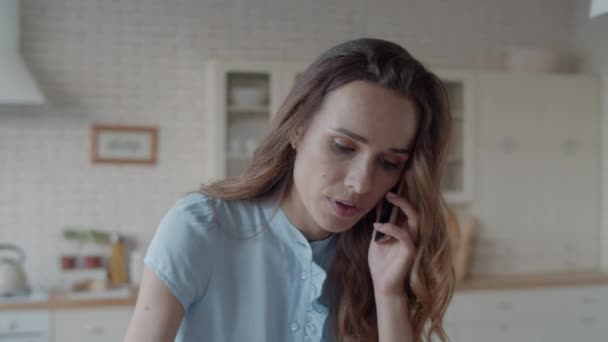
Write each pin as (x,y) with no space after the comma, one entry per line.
(117,265)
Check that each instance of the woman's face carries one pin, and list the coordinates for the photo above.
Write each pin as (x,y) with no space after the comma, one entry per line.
(349,157)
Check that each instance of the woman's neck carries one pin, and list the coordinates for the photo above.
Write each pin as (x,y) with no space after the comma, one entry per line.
(299,216)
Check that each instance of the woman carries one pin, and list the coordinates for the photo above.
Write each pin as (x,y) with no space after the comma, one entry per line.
(291,249)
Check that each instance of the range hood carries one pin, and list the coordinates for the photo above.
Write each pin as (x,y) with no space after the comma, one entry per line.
(17,86)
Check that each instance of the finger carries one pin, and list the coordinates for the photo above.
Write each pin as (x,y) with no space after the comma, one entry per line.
(395,232)
(409,211)
(405,205)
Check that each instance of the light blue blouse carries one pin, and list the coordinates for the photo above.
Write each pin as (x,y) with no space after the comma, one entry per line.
(241,273)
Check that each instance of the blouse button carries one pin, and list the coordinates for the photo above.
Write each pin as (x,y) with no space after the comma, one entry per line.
(294,326)
(303,276)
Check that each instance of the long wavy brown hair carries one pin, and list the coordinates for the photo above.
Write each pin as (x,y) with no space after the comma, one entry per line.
(430,285)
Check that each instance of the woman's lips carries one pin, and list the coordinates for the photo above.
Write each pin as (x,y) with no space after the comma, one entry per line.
(344,210)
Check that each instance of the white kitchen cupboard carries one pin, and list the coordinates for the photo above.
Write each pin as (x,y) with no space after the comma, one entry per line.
(537,172)
(91,324)
(25,326)
(235,126)
(240,99)
(546,314)
(457,181)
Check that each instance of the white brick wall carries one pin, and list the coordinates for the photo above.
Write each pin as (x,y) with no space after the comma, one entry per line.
(141,62)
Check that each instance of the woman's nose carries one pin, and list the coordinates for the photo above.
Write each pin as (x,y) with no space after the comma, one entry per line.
(359,178)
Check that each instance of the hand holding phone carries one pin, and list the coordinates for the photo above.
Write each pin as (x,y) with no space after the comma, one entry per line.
(388,211)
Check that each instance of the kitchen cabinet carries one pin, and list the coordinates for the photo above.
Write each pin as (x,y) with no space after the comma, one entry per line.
(548,314)
(61,318)
(537,172)
(25,326)
(241,97)
(457,180)
(24,338)
(91,324)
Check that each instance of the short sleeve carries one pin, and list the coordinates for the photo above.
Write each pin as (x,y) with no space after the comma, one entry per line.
(180,249)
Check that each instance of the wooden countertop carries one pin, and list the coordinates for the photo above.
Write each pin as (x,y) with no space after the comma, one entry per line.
(527,281)
(59,300)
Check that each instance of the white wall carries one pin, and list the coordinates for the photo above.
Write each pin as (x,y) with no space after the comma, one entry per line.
(142,62)
(589,37)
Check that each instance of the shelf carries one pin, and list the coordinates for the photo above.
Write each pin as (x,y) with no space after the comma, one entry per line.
(248,109)
(529,281)
(239,157)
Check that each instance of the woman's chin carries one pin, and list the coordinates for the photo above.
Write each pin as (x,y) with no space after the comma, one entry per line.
(339,225)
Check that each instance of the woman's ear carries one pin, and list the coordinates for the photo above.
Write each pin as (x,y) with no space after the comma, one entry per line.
(296,137)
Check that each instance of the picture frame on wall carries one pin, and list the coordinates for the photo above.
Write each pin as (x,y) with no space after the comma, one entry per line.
(118,144)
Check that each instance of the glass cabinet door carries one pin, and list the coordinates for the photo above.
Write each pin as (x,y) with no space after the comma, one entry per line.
(456,182)
(453,180)
(248,112)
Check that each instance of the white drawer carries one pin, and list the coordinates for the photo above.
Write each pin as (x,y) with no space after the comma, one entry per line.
(24,339)
(565,329)
(483,306)
(515,304)
(20,322)
(92,325)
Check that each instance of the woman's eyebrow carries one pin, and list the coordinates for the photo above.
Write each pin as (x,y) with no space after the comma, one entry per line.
(364,140)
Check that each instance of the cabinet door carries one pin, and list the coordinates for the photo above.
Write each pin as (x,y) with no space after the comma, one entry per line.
(558,314)
(543,329)
(91,325)
(24,325)
(241,98)
(570,112)
(537,157)
(508,108)
(24,338)
(456,183)
(537,110)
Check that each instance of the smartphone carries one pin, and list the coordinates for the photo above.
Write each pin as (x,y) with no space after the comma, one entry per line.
(388,211)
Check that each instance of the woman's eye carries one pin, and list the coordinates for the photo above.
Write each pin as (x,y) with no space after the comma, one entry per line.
(389,165)
(341,148)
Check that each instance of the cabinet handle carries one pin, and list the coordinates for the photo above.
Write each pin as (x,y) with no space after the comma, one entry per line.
(504,327)
(12,326)
(570,146)
(509,145)
(588,300)
(504,306)
(95,331)
(587,320)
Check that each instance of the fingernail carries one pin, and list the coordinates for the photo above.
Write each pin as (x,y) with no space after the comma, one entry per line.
(376,225)
(391,195)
